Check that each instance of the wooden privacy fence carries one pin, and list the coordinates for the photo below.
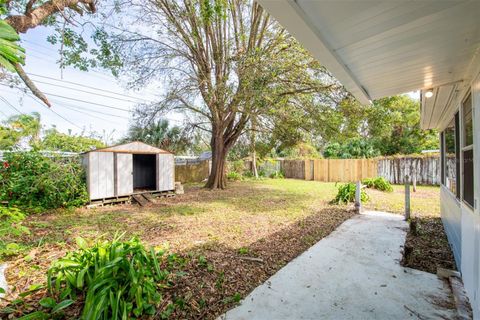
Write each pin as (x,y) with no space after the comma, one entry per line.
(394,169)
(427,170)
(196,172)
(340,170)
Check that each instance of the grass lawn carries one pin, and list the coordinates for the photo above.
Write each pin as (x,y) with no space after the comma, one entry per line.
(272,220)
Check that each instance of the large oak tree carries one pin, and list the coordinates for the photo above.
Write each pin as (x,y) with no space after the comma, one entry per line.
(227,61)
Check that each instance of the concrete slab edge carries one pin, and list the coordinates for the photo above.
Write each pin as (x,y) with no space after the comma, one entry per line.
(462,303)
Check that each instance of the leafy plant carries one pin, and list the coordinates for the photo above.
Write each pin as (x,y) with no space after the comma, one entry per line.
(234,176)
(10,227)
(33,181)
(346,194)
(119,280)
(10,52)
(378,183)
(277,175)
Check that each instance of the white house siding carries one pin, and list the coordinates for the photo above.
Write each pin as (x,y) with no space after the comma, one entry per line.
(470,256)
(471,218)
(452,220)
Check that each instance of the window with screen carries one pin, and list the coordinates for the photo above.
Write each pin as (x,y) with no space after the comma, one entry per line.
(449,157)
(467,151)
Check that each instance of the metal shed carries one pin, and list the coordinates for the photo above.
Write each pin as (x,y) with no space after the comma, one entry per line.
(129,168)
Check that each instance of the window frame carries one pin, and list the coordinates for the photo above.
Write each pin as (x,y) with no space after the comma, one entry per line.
(465,148)
(443,157)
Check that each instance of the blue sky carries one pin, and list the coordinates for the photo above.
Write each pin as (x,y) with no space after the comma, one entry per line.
(103,110)
(107,101)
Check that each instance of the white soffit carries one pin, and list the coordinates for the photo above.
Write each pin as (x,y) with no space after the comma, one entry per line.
(382,48)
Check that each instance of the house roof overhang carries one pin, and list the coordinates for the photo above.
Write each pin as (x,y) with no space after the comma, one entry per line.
(379,48)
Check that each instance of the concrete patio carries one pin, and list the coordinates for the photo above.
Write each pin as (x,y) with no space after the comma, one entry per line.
(354,273)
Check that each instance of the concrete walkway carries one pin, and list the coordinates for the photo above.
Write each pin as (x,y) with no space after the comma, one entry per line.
(354,273)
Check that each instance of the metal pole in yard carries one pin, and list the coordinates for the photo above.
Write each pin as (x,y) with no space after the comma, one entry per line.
(407,198)
(358,199)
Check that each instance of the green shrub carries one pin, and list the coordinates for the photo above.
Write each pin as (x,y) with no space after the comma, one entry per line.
(234,176)
(11,227)
(346,194)
(237,166)
(118,280)
(378,183)
(32,181)
(277,175)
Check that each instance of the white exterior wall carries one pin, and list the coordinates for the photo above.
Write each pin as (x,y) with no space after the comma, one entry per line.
(452,220)
(100,175)
(165,172)
(462,224)
(471,219)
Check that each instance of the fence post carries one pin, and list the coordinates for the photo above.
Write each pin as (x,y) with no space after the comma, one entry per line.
(407,198)
(414,179)
(358,198)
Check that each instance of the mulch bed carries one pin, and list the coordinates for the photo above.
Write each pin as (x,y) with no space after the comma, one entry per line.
(427,247)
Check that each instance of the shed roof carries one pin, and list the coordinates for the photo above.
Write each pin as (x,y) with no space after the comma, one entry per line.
(379,48)
(132,147)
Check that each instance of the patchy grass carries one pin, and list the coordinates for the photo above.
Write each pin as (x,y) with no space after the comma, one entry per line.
(215,231)
(424,203)
(273,220)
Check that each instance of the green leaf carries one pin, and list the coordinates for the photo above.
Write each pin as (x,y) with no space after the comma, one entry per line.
(48,302)
(37,315)
(81,243)
(2,290)
(62,305)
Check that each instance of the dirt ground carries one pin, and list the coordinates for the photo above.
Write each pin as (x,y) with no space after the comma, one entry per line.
(426,247)
(271,221)
(246,233)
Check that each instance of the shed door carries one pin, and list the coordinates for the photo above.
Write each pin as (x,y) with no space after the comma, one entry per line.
(123,174)
(165,172)
(101,175)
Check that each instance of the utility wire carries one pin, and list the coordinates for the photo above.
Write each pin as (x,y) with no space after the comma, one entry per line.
(11,105)
(73,99)
(53,111)
(85,91)
(89,110)
(88,114)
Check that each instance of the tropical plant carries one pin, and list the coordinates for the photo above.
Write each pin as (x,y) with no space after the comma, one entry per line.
(57,141)
(33,181)
(346,194)
(159,134)
(353,148)
(10,52)
(277,175)
(234,176)
(118,279)
(378,183)
(11,227)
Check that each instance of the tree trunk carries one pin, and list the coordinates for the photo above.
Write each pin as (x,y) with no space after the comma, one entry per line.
(217,178)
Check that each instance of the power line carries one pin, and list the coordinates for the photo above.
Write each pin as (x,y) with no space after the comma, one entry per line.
(103,75)
(88,114)
(85,86)
(53,111)
(11,105)
(89,110)
(73,99)
(87,102)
